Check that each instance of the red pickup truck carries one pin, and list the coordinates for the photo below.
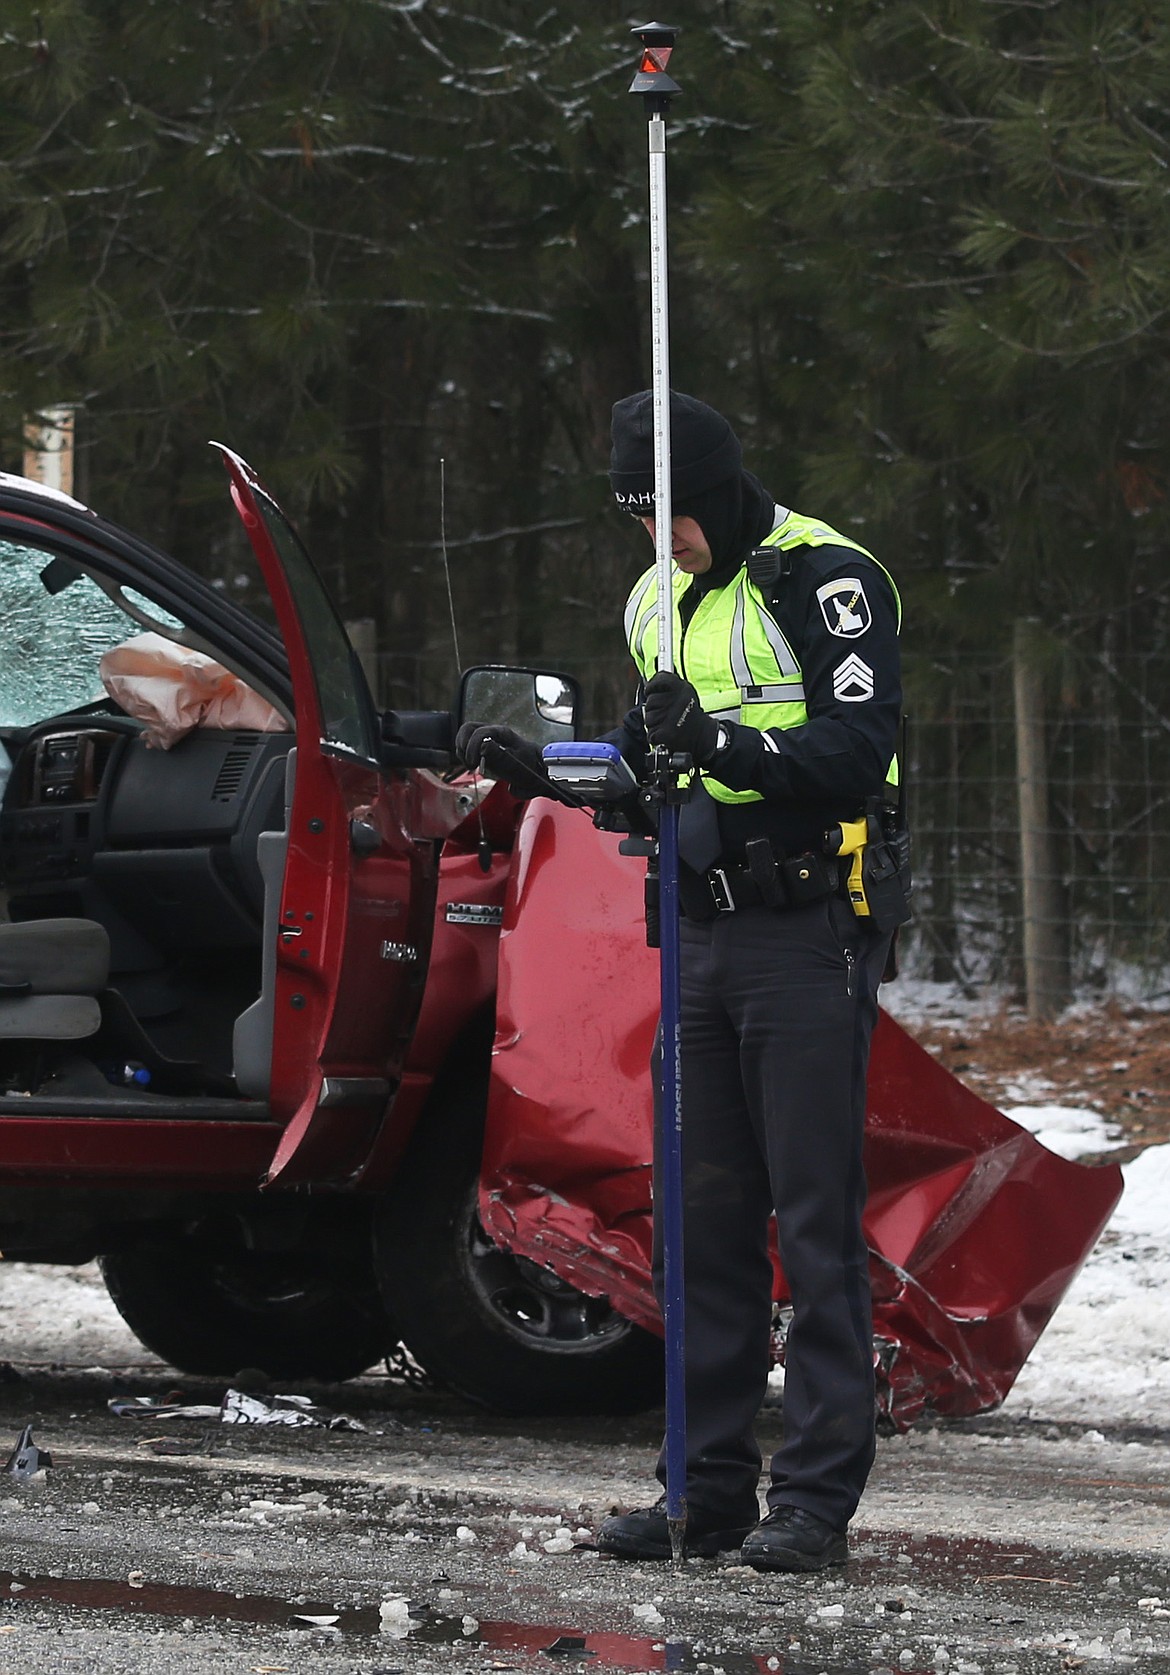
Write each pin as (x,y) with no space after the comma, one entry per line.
(250,1049)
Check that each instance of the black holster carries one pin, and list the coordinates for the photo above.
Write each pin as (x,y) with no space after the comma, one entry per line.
(886,867)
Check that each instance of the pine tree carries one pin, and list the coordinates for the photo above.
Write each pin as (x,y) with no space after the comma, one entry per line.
(952,236)
(955,232)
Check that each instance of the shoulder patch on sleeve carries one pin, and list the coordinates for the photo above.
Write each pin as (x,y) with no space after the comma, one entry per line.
(844,607)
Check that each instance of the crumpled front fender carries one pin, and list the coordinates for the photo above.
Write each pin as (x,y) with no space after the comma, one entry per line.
(975,1229)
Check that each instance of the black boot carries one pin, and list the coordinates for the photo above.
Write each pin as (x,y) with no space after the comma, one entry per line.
(645,1534)
(790,1538)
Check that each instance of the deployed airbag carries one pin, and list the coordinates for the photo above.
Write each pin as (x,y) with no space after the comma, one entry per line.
(174,690)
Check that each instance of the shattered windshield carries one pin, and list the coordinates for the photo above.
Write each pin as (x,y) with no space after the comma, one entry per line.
(50,643)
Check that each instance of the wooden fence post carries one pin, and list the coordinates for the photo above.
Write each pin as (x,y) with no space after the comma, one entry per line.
(1046,973)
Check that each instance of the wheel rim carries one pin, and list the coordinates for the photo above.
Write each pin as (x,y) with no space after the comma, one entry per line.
(261,1286)
(531,1303)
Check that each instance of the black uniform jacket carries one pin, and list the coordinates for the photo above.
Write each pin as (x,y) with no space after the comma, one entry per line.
(811,776)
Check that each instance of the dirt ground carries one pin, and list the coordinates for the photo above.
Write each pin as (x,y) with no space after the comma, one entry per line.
(1116,1060)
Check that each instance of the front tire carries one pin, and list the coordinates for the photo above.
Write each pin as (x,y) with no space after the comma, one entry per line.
(213,1310)
(499,1329)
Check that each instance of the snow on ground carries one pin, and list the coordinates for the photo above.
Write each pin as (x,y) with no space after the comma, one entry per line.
(1066,1130)
(63,1315)
(1104,1359)
(914,999)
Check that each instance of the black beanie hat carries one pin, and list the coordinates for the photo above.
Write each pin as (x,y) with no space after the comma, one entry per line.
(704,450)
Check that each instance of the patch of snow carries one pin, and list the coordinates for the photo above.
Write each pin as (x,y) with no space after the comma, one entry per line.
(1029,1088)
(916,1000)
(1144,1211)
(63,1314)
(1065,1129)
(1104,1359)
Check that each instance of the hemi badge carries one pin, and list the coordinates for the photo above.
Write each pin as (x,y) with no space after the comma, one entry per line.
(406,952)
(473,913)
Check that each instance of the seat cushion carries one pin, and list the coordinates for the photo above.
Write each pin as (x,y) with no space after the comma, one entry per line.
(49,1018)
(55,957)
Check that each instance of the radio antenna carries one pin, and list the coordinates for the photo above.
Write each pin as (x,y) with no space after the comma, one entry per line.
(483,848)
(446,561)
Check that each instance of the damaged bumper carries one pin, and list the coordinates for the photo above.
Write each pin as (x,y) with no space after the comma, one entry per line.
(975,1230)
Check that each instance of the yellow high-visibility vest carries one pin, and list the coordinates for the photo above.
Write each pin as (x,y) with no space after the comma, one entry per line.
(734,652)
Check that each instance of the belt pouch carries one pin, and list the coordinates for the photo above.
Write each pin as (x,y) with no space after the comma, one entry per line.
(809,878)
(762,871)
(652,898)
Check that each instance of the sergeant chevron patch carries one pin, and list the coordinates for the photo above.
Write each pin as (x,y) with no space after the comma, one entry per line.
(853,681)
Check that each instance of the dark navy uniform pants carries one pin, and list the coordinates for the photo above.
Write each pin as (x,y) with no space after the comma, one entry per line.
(777,1013)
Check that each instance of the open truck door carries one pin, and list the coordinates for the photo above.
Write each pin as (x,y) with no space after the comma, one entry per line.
(350,894)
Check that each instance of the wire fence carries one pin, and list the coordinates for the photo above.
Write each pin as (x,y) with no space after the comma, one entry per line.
(1066,886)
(1100,834)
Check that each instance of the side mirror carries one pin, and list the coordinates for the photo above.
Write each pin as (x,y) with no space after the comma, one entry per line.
(417,739)
(539,704)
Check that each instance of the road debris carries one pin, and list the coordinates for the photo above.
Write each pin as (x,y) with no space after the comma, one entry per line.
(238,1408)
(26,1459)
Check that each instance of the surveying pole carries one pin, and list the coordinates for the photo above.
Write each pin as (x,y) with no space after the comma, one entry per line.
(656,89)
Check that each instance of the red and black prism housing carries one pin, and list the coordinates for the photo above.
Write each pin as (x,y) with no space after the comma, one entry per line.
(652,80)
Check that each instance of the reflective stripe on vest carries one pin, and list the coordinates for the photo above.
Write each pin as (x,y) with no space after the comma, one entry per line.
(734,652)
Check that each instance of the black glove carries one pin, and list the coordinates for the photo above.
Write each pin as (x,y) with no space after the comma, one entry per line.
(502,753)
(675,718)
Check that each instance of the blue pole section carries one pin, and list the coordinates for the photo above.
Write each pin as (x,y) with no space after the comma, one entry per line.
(670,1186)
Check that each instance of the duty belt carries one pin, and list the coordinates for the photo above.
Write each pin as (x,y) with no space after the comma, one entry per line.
(772,879)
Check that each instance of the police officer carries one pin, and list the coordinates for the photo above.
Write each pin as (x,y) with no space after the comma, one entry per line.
(787,699)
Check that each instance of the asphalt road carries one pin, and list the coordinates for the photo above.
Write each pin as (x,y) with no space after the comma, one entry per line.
(444,1539)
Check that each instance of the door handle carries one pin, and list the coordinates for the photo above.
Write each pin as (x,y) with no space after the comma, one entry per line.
(364,838)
